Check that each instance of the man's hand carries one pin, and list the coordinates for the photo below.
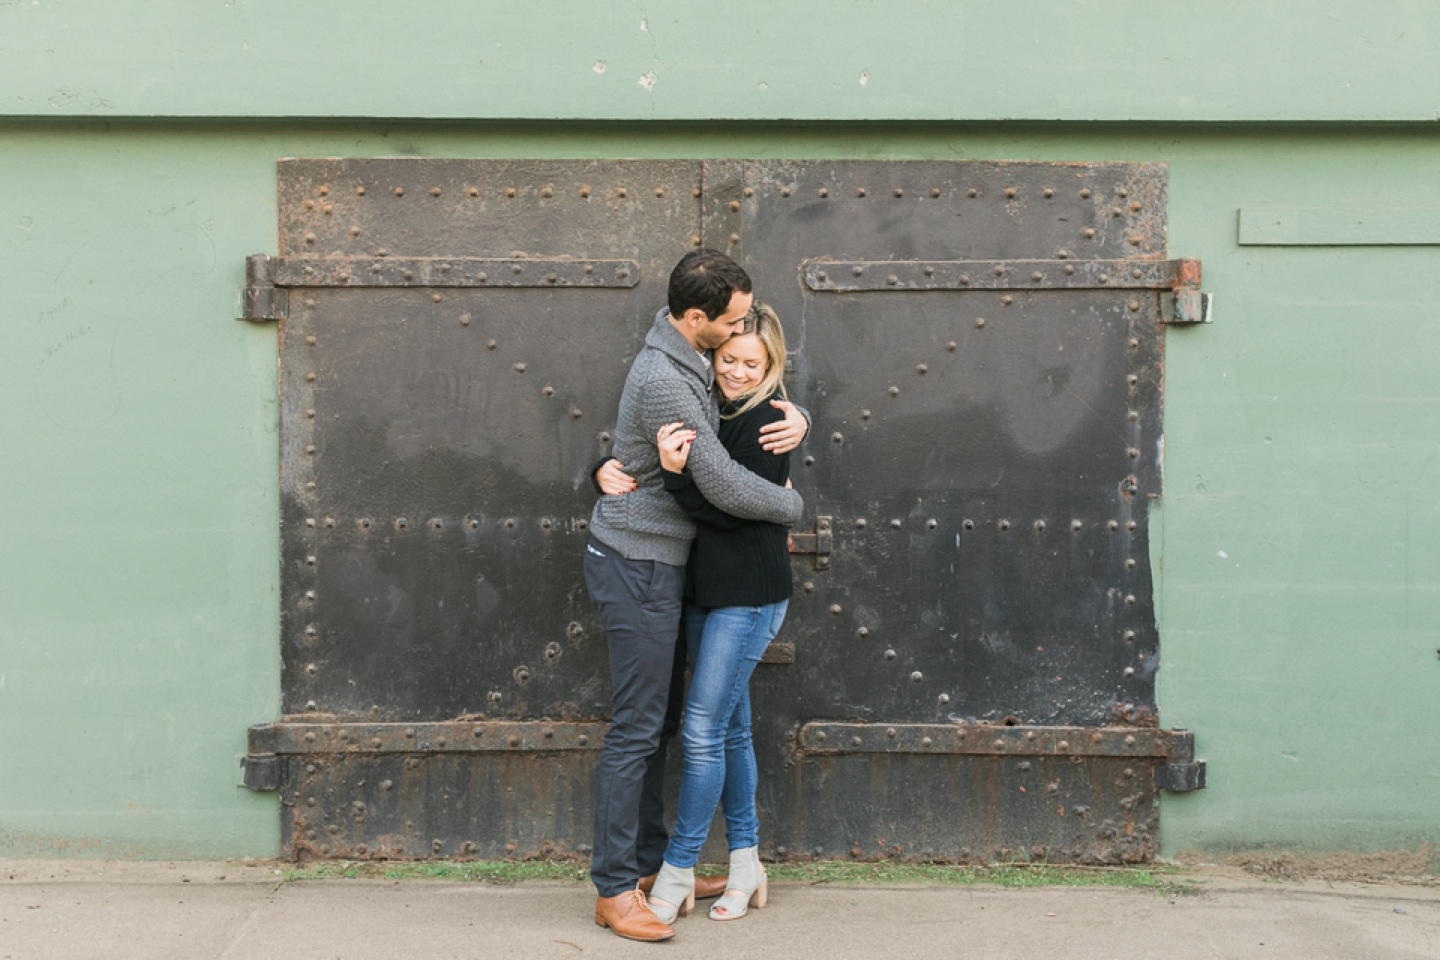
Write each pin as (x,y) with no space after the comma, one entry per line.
(784,435)
(614,481)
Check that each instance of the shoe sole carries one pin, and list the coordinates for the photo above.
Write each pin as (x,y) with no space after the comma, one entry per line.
(602,923)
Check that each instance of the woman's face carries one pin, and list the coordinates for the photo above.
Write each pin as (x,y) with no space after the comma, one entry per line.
(740,365)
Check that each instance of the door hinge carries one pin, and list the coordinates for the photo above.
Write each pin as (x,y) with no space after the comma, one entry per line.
(820,542)
(263,300)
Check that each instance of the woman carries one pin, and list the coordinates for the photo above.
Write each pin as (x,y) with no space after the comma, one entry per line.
(738,586)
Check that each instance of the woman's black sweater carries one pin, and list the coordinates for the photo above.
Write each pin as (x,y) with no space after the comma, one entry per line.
(734,562)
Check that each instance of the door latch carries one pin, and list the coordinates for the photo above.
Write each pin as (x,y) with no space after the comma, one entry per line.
(820,542)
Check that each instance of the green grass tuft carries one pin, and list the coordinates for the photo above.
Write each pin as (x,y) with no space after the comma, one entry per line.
(1160,879)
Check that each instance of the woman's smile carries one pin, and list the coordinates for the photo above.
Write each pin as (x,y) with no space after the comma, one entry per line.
(740,365)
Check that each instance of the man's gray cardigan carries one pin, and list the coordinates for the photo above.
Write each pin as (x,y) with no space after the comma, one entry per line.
(669,382)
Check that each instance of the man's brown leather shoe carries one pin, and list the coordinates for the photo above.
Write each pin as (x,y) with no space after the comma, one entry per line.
(706,888)
(630,918)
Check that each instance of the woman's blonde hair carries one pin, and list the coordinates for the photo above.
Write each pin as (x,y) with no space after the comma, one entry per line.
(764,324)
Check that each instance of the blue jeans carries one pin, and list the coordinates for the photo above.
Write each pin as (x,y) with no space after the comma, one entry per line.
(724,645)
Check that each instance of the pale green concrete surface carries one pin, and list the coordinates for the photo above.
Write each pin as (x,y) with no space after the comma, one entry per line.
(1078,60)
(138,610)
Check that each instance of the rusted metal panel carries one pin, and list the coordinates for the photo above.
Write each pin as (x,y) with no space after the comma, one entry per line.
(979,470)
(856,275)
(462,272)
(991,739)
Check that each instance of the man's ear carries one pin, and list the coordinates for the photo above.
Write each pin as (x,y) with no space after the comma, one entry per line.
(695,317)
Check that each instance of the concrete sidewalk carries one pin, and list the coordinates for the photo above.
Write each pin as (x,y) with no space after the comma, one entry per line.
(238,911)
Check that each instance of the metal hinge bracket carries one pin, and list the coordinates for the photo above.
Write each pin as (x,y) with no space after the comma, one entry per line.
(821,542)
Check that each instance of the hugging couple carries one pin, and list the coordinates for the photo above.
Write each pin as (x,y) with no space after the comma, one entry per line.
(689,559)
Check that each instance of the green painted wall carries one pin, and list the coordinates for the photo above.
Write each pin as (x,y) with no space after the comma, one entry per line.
(1125,60)
(1298,573)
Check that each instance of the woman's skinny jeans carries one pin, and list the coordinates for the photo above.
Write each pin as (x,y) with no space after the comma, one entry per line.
(724,645)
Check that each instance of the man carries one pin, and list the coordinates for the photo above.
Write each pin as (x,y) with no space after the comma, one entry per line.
(635,569)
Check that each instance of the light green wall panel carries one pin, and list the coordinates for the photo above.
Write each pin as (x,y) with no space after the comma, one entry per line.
(1219,60)
(138,609)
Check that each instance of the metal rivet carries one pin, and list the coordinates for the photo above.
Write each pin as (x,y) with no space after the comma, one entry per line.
(1122,193)
(490,344)
(860,192)
(1116,212)
(464,319)
(734,206)
(889,654)
(820,735)
(1130,525)
(310,486)
(1134,206)
(892,280)
(863,632)
(406,275)
(660,191)
(837,438)
(436,298)
(944,698)
(1075,524)
(999,270)
(434,191)
(1132,453)
(823,192)
(860,524)
(547,391)
(510,193)
(809,461)
(1135,239)
(584,193)
(1103,278)
(864,414)
(1010,193)
(1132,379)
(1039,526)
(931,524)
(622,273)
(509,524)
(963,280)
(894,391)
(401,523)
(1004,524)
(1129,636)
(929,271)
(547,192)
(311,668)
(1089,233)
(934,193)
(359,191)
(575,413)
(1133,416)
(310,414)
(1129,599)
(1129,563)
(784,191)
(972,193)
(309,594)
(968,524)
(979,323)
(308,204)
(922,369)
(1048,193)
(856,271)
(310,450)
(1006,301)
(1112,525)
(1036,277)
(472,191)
(808,587)
(519,368)
(622,193)
(583,740)
(835,609)
(899,193)
(895,524)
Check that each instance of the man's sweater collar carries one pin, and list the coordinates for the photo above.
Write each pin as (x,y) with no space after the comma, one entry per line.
(664,337)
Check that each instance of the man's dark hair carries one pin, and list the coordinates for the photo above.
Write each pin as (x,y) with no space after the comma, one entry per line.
(706,279)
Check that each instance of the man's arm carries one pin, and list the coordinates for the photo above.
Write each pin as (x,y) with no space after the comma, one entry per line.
(724,482)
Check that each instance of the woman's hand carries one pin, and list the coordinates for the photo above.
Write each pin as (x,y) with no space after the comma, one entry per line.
(673,440)
(613,480)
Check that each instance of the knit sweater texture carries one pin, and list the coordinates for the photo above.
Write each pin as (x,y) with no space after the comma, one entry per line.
(669,382)
(734,562)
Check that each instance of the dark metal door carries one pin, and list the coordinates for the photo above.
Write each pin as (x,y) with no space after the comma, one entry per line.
(981,346)
(967,668)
